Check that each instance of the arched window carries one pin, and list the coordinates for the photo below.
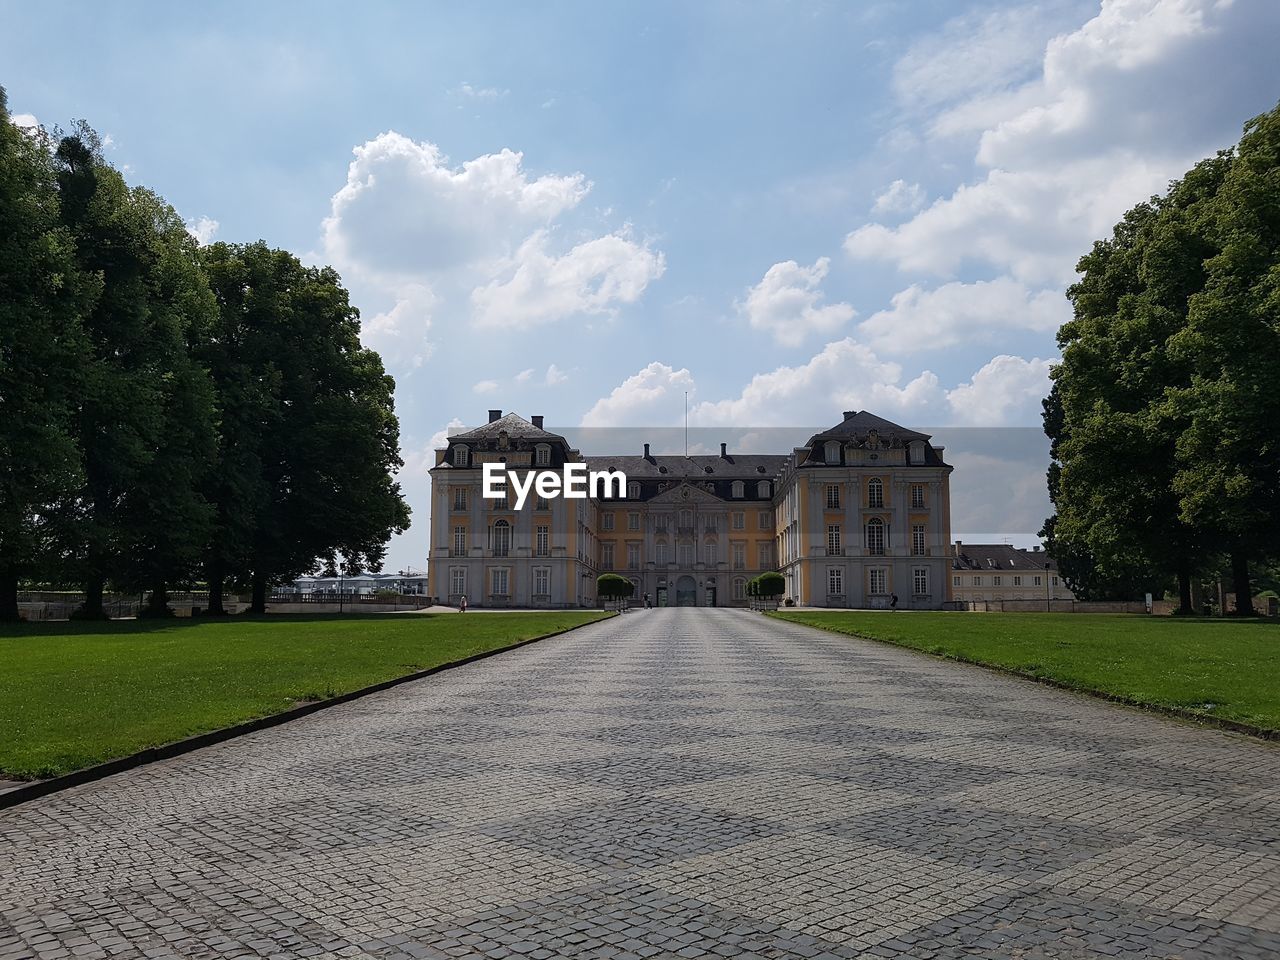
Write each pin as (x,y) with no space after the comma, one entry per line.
(461,456)
(875,492)
(917,451)
(762,488)
(739,588)
(875,537)
(500,538)
(831,453)
(633,490)
(542,455)
(739,489)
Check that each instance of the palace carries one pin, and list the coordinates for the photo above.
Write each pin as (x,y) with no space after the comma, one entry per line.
(858,515)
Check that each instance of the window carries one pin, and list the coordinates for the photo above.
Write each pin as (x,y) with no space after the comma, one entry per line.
(606,556)
(541,582)
(542,455)
(765,519)
(875,493)
(879,580)
(502,502)
(457,581)
(977,581)
(739,588)
(711,553)
(633,556)
(762,488)
(955,581)
(542,542)
(633,490)
(739,520)
(917,496)
(920,581)
(1055,581)
(542,504)
(1037,579)
(764,553)
(459,498)
(875,537)
(1017,581)
(500,539)
(835,581)
(686,518)
(500,581)
(739,489)
(460,541)
(833,540)
(739,556)
(831,453)
(461,456)
(916,451)
(633,521)
(606,521)
(917,540)
(684,552)
(833,496)
(996,581)
(661,554)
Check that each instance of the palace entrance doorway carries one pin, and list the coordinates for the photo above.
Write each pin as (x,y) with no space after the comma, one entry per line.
(686,592)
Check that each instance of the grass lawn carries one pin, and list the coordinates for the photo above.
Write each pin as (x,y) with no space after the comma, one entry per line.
(1215,668)
(75,694)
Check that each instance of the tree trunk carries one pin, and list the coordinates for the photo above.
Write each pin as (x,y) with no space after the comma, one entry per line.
(1240,583)
(259,602)
(92,608)
(1185,607)
(9,597)
(158,604)
(216,609)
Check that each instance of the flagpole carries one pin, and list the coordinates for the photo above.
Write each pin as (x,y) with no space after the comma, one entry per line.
(686,423)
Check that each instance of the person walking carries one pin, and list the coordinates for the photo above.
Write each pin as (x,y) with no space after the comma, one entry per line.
(646,601)
(462,604)
(893,602)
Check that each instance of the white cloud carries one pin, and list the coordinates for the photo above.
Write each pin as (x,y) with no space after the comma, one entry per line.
(593,278)
(845,375)
(418,462)
(24,120)
(918,319)
(472,92)
(655,395)
(1120,106)
(484,386)
(524,376)
(406,213)
(400,333)
(204,229)
(786,303)
(555,376)
(1006,391)
(900,197)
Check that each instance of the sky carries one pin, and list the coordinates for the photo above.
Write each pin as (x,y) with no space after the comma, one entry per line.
(588,211)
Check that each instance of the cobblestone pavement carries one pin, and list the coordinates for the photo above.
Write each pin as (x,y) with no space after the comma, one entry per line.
(672,783)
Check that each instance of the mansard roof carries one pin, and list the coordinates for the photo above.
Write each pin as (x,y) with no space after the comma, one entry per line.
(754,466)
(858,425)
(999,557)
(515,426)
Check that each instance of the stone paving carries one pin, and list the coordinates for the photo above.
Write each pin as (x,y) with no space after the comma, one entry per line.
(672,783)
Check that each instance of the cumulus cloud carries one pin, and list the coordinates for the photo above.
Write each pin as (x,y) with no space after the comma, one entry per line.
(484,386)
(594,277)
(555,376)
(25,120)
(419,461)
(653,395)
(787,303)
(1118,107)
(204,229)
(472,92)
(1007,391)
(400,333)
(920,319)
(524,376)
(845,375)
(899,197)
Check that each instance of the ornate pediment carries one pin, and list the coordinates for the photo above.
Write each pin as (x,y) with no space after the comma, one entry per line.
(685,492)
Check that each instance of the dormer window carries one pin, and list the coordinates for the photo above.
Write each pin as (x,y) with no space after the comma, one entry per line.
(831,453)
(739,489)
(633,490)
(916,451)
(542,455)
(762,488)
(461,456)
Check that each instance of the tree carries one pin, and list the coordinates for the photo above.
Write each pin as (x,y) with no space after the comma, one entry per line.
(1228,478)
(771,584)
(145,413)
(310,440)
(42,296)
(613,586)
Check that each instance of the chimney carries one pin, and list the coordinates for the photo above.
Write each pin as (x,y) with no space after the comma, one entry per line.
(495,415)
(850,414)
(1036,548)
(959,547)
(537,420)
(724,451)
(646,452)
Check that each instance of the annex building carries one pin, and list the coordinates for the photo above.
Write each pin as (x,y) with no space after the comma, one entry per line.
(859,514)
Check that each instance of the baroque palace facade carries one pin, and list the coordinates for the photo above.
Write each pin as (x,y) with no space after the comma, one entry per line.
(859,514)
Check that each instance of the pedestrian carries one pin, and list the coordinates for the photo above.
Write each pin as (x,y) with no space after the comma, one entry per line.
(646,601)
(893,602)
(462,604)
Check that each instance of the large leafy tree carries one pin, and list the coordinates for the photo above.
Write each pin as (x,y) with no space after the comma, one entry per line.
(310,439)
(42,296)
(144,418)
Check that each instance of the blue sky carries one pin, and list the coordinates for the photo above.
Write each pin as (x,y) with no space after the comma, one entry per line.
(586,210)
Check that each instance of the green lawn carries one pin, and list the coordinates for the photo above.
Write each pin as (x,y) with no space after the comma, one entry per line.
(1216,668)
(74,694)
